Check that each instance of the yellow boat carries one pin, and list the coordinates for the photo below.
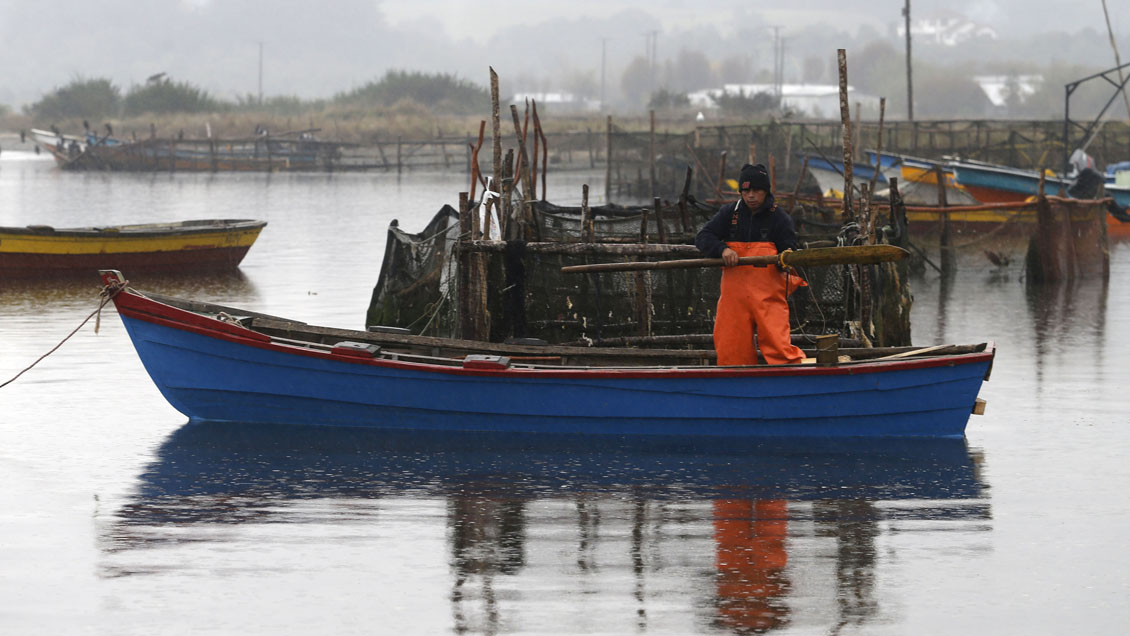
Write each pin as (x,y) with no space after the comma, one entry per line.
(211,244)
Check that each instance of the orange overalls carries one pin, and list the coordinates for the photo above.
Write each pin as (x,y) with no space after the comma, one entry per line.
(753,301)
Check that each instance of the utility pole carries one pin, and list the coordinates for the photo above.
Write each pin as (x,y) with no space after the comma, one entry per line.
(603,61)
(649,51)
(781,72)
(777,61)
(260,73)
(909,77)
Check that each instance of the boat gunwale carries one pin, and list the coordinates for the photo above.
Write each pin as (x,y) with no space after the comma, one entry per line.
(143,230)
(137,306)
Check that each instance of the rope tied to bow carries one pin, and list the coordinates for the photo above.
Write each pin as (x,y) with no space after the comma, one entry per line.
(107,293)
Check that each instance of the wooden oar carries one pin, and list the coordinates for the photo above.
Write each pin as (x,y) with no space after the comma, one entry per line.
(851,255)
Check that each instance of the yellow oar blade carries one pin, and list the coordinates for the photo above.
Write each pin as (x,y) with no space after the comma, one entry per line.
(852,255)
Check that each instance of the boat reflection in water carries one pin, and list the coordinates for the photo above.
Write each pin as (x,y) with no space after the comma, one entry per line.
(65,287)
(738,535)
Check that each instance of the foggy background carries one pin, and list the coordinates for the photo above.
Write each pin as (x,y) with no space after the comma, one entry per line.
(319,49)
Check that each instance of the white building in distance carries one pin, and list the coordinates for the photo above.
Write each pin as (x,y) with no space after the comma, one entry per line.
(948,29)
(998,87)
(819,101)
(561,102)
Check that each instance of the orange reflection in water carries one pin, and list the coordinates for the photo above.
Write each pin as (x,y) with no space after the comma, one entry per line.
(750,542)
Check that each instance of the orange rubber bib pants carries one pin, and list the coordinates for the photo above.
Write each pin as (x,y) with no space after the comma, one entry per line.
(753,300)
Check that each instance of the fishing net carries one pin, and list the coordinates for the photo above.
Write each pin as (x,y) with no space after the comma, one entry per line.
(529,297)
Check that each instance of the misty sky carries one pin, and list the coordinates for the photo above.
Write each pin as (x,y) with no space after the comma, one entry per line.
(317,49)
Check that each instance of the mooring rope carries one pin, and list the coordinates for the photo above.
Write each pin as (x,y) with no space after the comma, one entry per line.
(107,294)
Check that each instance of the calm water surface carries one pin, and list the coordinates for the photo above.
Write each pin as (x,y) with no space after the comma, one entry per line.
(116,517)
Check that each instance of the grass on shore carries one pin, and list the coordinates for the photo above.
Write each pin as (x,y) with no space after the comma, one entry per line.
(406,120)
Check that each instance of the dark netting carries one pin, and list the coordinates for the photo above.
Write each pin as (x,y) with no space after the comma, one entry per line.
(611,222)
(417,277)
(570,307)
(528,295)
(610,305)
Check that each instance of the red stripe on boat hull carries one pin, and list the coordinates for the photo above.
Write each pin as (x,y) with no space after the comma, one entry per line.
(196,259)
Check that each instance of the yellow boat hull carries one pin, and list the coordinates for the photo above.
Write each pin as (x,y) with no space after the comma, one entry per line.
(189,245)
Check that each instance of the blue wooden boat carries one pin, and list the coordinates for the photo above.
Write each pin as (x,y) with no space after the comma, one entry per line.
(1120,194)
(992,183)
(216,363)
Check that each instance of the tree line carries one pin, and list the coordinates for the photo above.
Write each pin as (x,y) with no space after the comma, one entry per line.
(100,98)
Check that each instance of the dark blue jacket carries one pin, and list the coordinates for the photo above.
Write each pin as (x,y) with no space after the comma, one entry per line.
(770,225)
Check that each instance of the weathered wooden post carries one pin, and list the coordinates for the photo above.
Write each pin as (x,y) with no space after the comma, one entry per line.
(659,228)
(643,284)
(879,144)
(533,194)
(467,153)
(509,227)
(722,172)
(847,211)
(788,146)
(592,151)
(473,160)
(683,202)
(587,231)
(463,281)
(892,313)
(473,320)
(945,239)
(608,163)
(796,187)
(867,224)
(544,153)
(524,175)
(496,130)
(651,155)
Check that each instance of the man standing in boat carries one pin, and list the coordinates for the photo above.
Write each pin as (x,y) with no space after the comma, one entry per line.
(753,299)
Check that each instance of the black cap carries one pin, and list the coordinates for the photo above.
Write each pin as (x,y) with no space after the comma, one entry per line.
(754,178)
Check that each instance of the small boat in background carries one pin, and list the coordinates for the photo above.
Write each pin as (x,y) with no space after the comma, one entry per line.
(829,174)
(295,150)
(216,363)
(1120,194)
(992,183)
(918,181)
(64,148)
(211,244)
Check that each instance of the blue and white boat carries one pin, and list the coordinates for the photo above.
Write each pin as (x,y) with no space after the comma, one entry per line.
(992,183)
(216,363)
(829,174)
